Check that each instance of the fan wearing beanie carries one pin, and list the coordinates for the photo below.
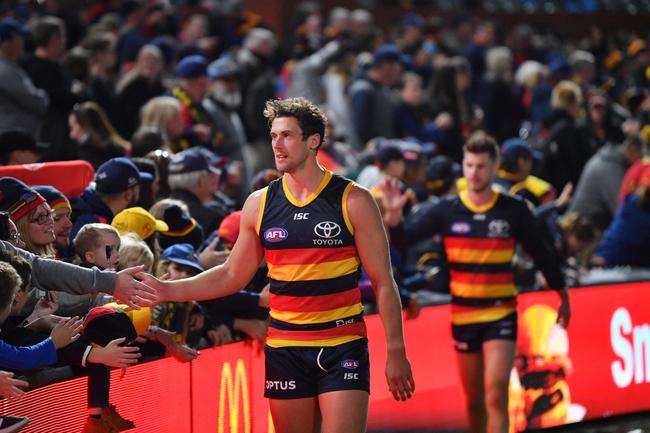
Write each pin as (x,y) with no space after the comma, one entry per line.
(182,228)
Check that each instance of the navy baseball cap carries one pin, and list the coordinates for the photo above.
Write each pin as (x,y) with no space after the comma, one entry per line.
(389,53)
(193,66)
(189,161)
(9,27)
(119,174)
(183,254)
(223,67)
(513,148)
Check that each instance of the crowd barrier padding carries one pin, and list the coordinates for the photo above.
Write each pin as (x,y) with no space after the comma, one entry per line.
(599,368)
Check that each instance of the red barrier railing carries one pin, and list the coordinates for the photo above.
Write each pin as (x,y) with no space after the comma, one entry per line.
(601,367)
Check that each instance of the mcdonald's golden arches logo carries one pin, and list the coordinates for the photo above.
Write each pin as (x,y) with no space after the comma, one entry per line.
(234,390)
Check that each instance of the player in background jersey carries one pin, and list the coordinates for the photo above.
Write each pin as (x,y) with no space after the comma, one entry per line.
(336,400)
(480,228)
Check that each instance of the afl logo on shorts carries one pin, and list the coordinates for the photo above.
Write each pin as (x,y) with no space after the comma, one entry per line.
(275,234)
(327,229)
(350,364)
(461,227)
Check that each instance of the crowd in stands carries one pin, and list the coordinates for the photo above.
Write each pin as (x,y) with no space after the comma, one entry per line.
(165,102)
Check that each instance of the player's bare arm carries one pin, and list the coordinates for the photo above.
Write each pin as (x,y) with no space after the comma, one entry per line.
(372,246)
(228,278)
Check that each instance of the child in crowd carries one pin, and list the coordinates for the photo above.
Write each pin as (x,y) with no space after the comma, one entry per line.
(134,251)
(186,318)
(98,244)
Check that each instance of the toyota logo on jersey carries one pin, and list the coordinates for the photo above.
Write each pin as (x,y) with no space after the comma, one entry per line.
(327,229)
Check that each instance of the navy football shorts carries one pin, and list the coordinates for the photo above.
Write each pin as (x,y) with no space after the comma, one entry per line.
(301,372)
(470,338)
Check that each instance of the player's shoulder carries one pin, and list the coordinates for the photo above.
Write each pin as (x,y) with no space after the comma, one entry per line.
(512,201)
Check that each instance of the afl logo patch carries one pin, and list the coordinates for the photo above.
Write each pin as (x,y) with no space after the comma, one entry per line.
(350,364)
(327,229)
(275,234)
(461,227)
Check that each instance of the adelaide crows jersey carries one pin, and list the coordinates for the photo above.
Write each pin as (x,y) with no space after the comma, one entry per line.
(313,265)
(480,246)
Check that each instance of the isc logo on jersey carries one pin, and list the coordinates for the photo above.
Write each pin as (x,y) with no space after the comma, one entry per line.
(275,234)
(461,228)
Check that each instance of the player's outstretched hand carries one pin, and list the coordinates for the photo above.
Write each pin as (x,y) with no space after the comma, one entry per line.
(134,293)
(399,375)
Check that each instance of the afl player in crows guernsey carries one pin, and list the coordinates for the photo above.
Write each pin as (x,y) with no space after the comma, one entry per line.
(315,230)
(480,228)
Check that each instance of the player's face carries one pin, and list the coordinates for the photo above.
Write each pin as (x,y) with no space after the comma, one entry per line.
(291,151)
(479,170)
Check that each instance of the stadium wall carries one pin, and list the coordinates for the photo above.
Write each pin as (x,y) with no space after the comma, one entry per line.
(599,368)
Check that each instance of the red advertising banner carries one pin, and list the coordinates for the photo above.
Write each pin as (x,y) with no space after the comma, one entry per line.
(599,368)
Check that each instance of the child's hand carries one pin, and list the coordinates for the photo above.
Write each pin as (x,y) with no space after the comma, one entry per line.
(219,335)
(9,385)
(47,305)
(114,355)
(182,352)
(255,329)
(66,332)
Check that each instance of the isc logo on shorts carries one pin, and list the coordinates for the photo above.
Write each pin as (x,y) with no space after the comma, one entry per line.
(275,234)
(281,384)
(351,376)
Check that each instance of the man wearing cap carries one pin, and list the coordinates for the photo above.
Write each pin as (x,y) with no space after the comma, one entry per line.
(514,176)
(373,106)
(192,87)
(22,105)
(223,102)
(193,180)
(19,147)
(117,187)
(389,163)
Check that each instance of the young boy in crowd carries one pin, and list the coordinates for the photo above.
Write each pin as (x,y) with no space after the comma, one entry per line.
(186,319)
(98,244)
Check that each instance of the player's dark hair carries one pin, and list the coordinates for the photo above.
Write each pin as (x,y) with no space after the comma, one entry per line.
(310,118)
(481,142)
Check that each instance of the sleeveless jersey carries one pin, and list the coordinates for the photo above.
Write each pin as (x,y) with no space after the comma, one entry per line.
(313,265)
(480,245)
